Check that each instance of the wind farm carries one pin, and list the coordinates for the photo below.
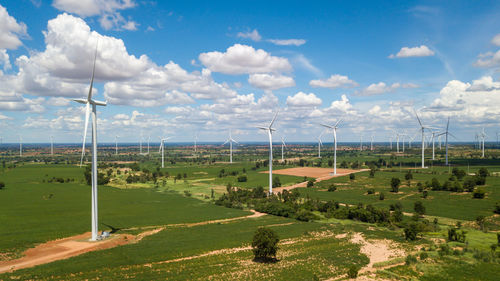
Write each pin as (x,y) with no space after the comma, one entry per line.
(248,142)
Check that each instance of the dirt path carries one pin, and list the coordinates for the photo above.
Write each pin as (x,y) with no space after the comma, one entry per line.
(318,179)
(79,244)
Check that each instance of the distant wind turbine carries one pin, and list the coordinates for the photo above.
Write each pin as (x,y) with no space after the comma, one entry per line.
(371,143)
(269,129)
(51,145)
(162,150)
(116,145)
(20,146)
(422,128)
(230,140)
(320,143)
(334,129)
(446,133)
(283,145)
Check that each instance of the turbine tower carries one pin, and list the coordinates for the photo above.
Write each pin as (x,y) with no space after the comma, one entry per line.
(334,129)
(371,143)
(269,129)
(230,140)
(320,143)
(195,141)
(446,133)
(482,135)
(162,150)
(90,102)
(51,145)
(116,145)
(149,138)
(283,145)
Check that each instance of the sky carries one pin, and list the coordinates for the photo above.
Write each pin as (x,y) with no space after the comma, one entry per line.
(186,68)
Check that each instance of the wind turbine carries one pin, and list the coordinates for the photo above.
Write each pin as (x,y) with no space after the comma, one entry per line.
(116,145)
(446,133)
(195,141)
(90,102)
(51,145)
(482,135)
(283,145)
(422,127)
(433,138)
(162,150)
(371,143)
(20,146)
(269,129)
(390,139)
(334,129)
(149,138)
(230,140)
(140,145)
(320,143)
(361,143)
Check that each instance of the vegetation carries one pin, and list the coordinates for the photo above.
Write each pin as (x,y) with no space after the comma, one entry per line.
(265,245)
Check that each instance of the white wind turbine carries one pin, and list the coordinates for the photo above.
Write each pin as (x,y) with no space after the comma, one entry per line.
(320,143)
(446,133)
(334,129)
(116,145)
(371,143)
(482,135)
(422,127)
(20,146)
(162,150)
(51,145)
(90,102)
(270,131)
(195,142)
(283,145)
(149,138)
(361,143)
(230,140)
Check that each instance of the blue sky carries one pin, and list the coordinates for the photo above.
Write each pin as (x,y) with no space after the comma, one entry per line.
(182,68)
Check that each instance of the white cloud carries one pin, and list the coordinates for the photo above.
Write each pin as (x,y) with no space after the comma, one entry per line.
(406,52)
(488,59)
(242,59)
(10,30)
(303,100)
(382,88)
(270,81)
(58,101)
(335,81)
(107,10)
(10,101)
(253,35)
(176,97)
(287,42)
(3,117)
(306,64)
(485,83)
(341,106)
(496,40)
(4,59)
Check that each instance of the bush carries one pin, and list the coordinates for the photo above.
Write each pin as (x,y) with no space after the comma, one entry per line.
(479,193)
(332,188)
(370,191)
(395,182)
(425,194)
(408,175)
(372,173)
(310,183)
(454,235)
(496,210)
(410,259)
(381,196)
(411,231)
(419,208)
(242,178)
(352,271)
(423,256)
(352,177)
(2,184)
(276,182)
(304,215)
(459,174)
(265,245)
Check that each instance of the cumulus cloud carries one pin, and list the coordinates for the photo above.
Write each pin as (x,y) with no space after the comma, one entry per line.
(4,59)
(253,35)
(303,100)
(335,81)
(270,81)
(107,10)
(496,40)
(58,101)
(406,52)
(3,117)
(488,59)
(287,42)
(10,30)
(485,83)
(243,59)
(382,88)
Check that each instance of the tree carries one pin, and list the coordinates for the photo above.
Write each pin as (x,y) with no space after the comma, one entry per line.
(2,184)
(310,183)
(411,231)
(419,208)
(480,220)
(395,182)
(352,177)
(333,187)
(265,245)
(276,182)
(408,175)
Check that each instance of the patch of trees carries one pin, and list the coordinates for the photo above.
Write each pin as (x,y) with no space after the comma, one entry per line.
(395,182)
(265,245)
(102,179)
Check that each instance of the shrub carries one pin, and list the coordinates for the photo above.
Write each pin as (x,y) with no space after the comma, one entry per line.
(265,244)
(411,231)
(454,235)
(352,177)
(419,208)
(408,175)
(310,183)
(187,193)
(352,271)
(459,174)
(372,173)
(276,182)
(425,194)
(395,182)
(242,178)
(469,184)
(305,215)
(423,256)
(410,259)
(496,210)
(370,191)
(332,188)
(381,196)
(2,184)
(479,193)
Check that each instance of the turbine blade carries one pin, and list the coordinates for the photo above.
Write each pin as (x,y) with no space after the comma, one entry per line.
(419,122)
(338,122)
(87,115)
(93,72)
(327,126)
(272,122)
(225,142)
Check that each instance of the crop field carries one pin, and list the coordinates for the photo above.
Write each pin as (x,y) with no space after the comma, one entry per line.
(189,233)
